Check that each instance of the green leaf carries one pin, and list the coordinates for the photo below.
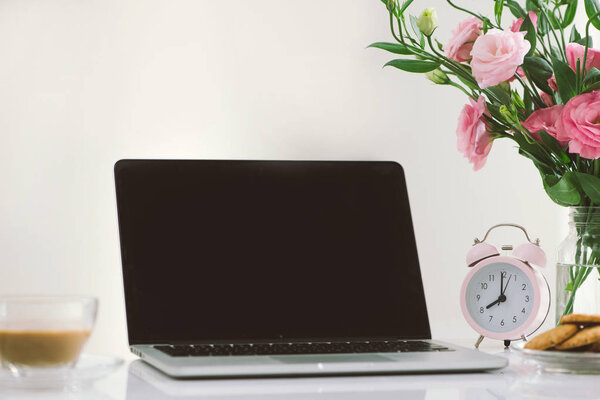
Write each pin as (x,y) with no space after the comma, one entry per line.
(415,26)
(590,185)
(498,7)
(552,144)
(501,94)
(569,287)
(592,8)
(592,87)
(543,25)
(575,36)
(539,71)
(391,47)
(565,79)
(530,36)
(528,101)
(562,191)
(439,45)
(516,9)
(417,66)
(582,41)
(517,100)
(417,31)
(534,152)
(531,5)
(570,12)
(592,76)
(405,5)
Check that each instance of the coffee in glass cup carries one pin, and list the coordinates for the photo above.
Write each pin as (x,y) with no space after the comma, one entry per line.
(44,331)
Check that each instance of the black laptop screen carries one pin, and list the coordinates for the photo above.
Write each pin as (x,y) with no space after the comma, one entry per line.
(243,250)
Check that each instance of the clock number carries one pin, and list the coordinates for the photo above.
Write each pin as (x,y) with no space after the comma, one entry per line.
(480,310)
(478,297)
(523,310)
(491,278)
(491,316)
(484,286)
(527,299)
(523,286)
(504,274)
(514,319)
(502,323)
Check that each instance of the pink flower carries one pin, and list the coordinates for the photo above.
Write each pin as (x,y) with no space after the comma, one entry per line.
(580,118)
(552,83)
(547,99)
(549,120)
(497,55)
(516,26)
(519,72)
(474,141)
(460,43)
(576,51)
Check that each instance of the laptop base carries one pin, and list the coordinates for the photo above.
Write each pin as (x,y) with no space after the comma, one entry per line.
(458,360)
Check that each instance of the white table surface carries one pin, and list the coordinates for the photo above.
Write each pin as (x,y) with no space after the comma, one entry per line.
(520,380)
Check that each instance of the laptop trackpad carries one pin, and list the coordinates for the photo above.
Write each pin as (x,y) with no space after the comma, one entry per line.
(327,358)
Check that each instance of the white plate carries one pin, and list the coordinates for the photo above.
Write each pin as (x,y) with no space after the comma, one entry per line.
(88,369)
(569,362)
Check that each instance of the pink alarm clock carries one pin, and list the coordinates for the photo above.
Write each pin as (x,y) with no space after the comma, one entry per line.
(505,297)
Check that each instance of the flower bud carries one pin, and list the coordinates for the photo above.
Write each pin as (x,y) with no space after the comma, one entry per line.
(506,114)
(428,21)
(391,5)
(438,76)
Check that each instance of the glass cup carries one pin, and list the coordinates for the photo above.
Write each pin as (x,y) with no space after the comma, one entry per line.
(44,332)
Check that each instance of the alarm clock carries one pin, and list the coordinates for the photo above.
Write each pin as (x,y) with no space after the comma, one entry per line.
(505,297)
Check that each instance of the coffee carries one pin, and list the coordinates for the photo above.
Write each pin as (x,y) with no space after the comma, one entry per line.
(41,348)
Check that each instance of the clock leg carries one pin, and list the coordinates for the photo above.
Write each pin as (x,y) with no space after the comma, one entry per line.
(506,344)
(478,342)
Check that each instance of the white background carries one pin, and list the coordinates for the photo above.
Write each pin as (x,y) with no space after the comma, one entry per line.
(84,83)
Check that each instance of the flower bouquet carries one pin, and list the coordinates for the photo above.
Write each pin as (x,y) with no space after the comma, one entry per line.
(535,80)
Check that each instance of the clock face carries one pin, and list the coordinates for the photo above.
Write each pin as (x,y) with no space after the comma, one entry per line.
(500,297)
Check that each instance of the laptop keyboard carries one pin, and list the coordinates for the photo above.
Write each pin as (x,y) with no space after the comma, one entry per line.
(395,346)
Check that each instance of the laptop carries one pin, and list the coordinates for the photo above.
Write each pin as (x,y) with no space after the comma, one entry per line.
(265,268)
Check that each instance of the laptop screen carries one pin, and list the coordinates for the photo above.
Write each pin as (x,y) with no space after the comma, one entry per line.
(267,250)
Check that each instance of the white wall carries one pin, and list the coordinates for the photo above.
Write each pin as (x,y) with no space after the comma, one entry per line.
(84,83)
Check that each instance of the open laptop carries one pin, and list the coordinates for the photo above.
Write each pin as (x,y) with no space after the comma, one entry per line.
(237,268)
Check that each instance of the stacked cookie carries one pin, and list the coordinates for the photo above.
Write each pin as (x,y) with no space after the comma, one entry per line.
(576,332)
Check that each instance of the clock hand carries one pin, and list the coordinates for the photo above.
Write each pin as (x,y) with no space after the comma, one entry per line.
(495,302)
(501,283)
(507,282)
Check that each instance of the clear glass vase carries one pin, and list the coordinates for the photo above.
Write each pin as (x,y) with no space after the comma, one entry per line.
(578,265)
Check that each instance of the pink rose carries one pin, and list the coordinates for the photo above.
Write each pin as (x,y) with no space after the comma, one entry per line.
(497,55)
(549,120)
(576,51)
(516,26)
(460,43)
(580,118)
(474,141)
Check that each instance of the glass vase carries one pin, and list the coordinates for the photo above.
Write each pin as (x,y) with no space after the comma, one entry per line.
(578,265)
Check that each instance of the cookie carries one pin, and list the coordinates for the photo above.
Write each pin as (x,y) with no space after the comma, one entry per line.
(583,337)
(595,347)
(580,319)
(552,337)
